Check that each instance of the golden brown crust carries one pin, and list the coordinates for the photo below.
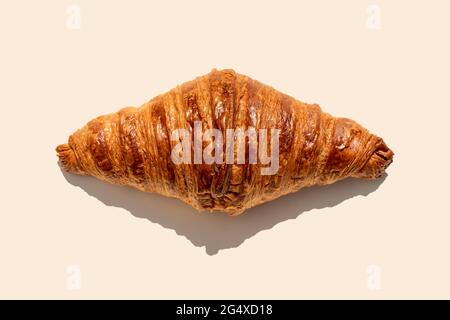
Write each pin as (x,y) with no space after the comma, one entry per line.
(133,146)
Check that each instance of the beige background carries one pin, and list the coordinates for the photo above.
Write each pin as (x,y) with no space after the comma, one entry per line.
(385,239)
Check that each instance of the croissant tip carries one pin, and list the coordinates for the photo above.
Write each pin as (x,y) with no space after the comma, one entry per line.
(379,161)
(67,159)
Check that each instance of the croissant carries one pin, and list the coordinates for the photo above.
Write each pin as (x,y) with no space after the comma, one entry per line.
(224,142)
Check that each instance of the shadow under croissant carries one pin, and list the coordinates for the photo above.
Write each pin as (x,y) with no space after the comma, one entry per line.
(217,231)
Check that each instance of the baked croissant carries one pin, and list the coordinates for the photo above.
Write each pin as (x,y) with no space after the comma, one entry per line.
(152,147)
